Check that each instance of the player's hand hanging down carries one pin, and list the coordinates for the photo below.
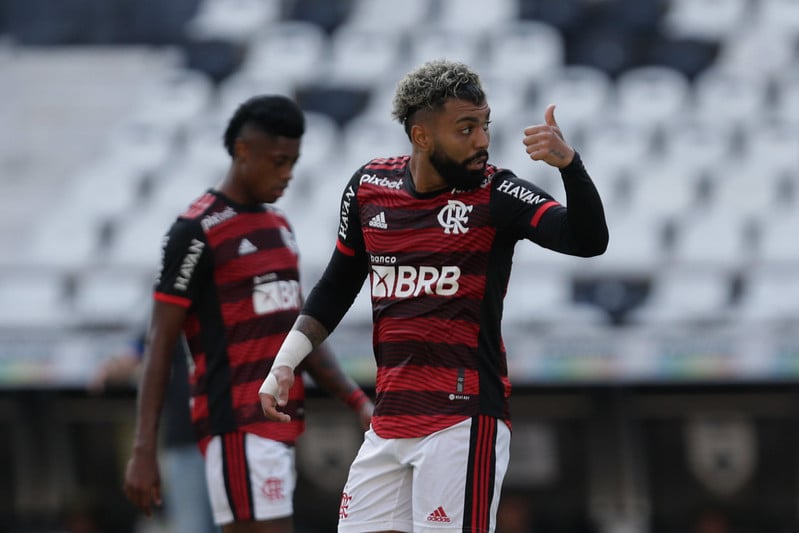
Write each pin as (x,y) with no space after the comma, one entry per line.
(275,393)
(545,142)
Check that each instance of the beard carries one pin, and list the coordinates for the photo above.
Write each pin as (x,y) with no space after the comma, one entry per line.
(456,174)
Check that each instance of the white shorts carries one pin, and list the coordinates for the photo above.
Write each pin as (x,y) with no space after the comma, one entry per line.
(450,480)
(249,478)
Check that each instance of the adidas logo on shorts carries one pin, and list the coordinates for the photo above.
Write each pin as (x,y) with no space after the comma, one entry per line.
(439,515)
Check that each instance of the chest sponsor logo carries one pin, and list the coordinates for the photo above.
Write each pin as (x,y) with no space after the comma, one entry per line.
(211,220)
(189,263)
(372,179)
(454,216)
(522,193)
(411,281)
(275,296)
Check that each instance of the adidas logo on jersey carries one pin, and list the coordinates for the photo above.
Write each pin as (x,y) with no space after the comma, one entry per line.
(246,247)
(378,221)
(439,515)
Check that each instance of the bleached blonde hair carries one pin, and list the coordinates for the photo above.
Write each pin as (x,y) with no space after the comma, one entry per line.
(431,85)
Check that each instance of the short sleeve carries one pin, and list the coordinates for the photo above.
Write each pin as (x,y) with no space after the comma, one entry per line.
(185,264)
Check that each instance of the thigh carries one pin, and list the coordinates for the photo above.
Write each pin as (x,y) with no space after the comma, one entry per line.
(249,478)
(458,475)
(377,495)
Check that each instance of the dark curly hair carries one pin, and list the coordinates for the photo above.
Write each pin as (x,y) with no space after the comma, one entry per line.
(272,114)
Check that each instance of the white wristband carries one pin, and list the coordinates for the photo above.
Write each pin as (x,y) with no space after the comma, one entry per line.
(293,350)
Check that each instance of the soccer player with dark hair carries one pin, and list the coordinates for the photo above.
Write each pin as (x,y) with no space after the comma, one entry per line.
(229,283)
(435,231)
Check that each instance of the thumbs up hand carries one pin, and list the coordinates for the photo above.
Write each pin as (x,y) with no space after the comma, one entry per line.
(544,142)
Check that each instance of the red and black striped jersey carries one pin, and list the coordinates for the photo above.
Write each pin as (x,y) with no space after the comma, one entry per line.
(439,266)
(235,268)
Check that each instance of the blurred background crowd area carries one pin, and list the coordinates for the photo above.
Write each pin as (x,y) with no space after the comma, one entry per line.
(656,381)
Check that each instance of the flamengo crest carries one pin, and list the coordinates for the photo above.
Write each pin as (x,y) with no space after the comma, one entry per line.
(454,216)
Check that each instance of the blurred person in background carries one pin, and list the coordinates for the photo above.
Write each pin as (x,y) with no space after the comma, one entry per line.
(229,282)
(436,230)
(186,505)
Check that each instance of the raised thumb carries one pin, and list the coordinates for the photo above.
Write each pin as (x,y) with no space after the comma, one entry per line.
(549,115)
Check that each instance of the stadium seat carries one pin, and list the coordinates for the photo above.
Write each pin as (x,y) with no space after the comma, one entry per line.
(341,101)
(785,106)
(607,46)
(768,297)
(771,144)
(691,56)
(324,14)
(381,99)
(581,93)
(321,142)
(105,188)
(425,45)
(704,19)
(757,50)
(651,94)
(778,246)
(176,186)
(696,144)
(137,238)
(402,16)
(637,245)
(779,16)
(612,146)
(289,51)
(180,98)
(61,240)
(231,20)
(663,188)
(33,298)
(361,57)
(728,99)
(744,187)
(365,138)
(243,85)
(685,297)
(459,14)
(110,297)
(565,15)
(508,97)
(524,51)
(711,239)
(544,297)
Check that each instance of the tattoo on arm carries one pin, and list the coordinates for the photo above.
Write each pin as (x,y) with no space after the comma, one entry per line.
(312,328)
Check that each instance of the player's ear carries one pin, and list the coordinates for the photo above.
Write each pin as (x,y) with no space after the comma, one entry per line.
(241,149)
(420,137)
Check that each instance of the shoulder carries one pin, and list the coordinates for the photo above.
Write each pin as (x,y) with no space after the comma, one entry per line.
(387,164)
(199,207)
(384,173)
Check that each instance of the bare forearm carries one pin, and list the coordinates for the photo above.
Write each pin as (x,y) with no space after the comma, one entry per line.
(311,328)
(323,367)
(150,400)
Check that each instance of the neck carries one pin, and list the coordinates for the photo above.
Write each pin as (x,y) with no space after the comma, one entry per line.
(229,187)
(425,177)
